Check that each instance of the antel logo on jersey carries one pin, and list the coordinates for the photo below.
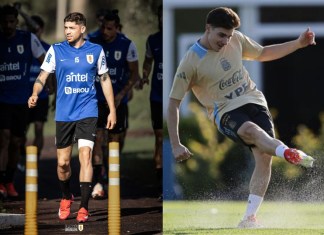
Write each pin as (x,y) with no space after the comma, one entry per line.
(71,90)
(77,77)
(9,67)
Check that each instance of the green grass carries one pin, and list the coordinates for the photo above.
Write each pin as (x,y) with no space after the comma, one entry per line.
(201,217)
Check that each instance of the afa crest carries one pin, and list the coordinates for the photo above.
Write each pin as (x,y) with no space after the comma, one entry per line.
(225,64)
(20,49)
(90,58)
(117,55)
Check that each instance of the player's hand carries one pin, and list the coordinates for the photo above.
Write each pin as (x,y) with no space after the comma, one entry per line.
(111,121)
(32,101)
(307,38)
(145,81)
(181,153)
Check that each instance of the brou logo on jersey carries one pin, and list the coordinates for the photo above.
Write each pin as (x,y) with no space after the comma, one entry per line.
(70,90)
(117,55)
(20,49)
(90,58)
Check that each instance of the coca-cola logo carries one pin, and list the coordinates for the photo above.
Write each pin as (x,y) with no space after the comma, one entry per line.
(237,76)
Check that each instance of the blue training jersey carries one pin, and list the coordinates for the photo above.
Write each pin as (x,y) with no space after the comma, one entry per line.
(76,70)
(16,55)
(154,49)
(34,72)
(118,53)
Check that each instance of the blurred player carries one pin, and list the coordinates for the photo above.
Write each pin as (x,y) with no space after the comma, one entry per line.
(122,62)
(154,53)
(100,14)
(17,50)
(38,115)
(212,68)
(76,63)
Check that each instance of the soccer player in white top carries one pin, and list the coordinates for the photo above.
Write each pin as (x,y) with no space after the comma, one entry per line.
(76,63)
(212,68)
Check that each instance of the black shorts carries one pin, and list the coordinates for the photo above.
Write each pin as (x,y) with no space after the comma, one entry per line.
(121,113)
(14,117)
(40,112)
(233,120)
(68,133)
(156,115)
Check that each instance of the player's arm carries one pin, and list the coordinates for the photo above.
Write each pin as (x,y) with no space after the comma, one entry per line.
(32,25)
(147,64)
(38,87)
(133,78)
(109,95)
(276,51)
(180,152)
(147,67)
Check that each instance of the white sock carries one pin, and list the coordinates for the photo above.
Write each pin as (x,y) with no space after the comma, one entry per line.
(254,202)
(280,150)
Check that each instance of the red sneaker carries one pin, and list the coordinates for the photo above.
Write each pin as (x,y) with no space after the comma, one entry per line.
(65,208)
(293,156)
(297,157)
(11,190)
(83,215)
(3,191)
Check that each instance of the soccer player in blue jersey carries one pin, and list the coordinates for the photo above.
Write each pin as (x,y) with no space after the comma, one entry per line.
(122,61)
(153,52)
(213,69)
(17,50)
(38,115)
(76,63)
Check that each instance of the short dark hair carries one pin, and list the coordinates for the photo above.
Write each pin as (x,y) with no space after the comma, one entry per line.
(101,12)
(113,16)
(76,17)
(223,17)
(38,20)
(8,10)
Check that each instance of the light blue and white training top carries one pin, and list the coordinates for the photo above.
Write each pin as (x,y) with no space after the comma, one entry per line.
(76,70)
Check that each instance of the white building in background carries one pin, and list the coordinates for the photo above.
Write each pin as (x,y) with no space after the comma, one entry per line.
(249,12)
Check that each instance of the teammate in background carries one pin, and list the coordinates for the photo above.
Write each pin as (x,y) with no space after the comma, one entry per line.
(100,14)
(38,115)
(122,62)
(212,68)
(154,53)
(76,63)
(17,49)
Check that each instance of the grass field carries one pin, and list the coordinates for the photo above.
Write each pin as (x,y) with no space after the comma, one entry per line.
(201,217)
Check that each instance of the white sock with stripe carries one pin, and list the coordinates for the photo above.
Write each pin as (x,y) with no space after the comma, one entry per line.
(254,202)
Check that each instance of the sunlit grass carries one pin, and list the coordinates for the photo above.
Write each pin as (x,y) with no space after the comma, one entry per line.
(202,217)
